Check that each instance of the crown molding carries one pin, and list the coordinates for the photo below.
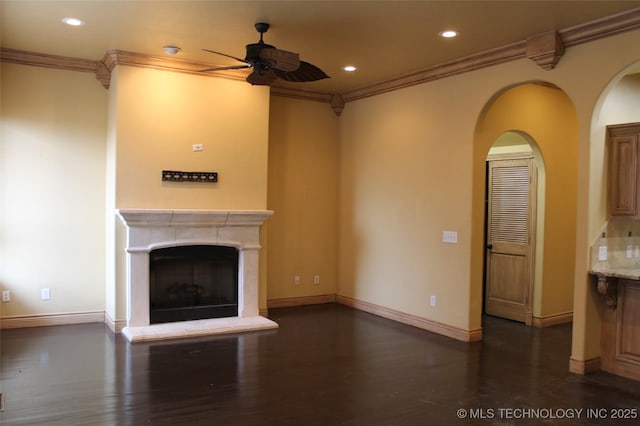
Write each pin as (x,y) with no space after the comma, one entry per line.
(555,43)
(447,69)
(545,49)
(47,61)
(335,100)
(113,58)
(601,28)
(306,95)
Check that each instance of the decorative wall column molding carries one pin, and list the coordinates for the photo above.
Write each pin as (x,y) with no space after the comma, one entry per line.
(545,49)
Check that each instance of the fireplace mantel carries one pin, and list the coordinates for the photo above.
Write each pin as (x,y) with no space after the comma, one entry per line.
(149,229)
(145,218)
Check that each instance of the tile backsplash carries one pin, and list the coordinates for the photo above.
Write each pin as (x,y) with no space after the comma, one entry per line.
(621,236)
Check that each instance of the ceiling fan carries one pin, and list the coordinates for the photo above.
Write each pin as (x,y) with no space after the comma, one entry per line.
(269,63)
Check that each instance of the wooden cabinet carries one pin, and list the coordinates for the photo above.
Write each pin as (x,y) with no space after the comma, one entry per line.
(621,329)
(624,176)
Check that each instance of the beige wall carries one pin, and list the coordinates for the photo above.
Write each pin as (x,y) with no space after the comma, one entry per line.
(303,193)
(52,177)
(407,168)
(406,176)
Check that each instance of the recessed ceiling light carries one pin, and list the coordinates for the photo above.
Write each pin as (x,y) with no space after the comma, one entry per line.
(449,34)
(74,22)
(349,68)
(171,50)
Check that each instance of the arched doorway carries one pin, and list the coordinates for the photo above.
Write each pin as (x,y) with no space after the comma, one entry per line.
(619,102)
(547,116)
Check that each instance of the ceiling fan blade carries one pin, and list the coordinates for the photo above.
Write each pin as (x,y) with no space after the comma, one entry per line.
(224,54)
(264,78)
(230,67)
(280,59)
(305,72)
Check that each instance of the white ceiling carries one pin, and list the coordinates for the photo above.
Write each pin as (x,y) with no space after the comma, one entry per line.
(383,39)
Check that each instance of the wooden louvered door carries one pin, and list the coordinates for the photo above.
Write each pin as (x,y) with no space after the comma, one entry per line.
(510,221)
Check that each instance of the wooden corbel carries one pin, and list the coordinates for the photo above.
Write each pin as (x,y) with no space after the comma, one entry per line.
(545,49)
(608,287)
(103,74)
(337,103)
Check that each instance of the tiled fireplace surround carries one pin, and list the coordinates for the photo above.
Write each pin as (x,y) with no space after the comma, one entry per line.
(149,229)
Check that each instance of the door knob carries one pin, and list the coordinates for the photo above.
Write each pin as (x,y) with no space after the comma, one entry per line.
(489,246)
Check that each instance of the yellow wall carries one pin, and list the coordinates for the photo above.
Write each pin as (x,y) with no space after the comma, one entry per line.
(548,117)
(303,193)
(155,118)
(161,114)
(52,175)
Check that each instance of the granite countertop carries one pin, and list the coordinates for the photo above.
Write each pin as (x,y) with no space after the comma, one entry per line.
(620,272)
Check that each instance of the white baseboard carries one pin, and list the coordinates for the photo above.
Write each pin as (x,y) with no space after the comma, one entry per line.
(423,323)
(22,321)
(115,326)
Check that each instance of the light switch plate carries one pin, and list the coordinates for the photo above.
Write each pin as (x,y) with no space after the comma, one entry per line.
(450,237)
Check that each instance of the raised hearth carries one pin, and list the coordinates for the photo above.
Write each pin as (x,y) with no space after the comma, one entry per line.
(149,229)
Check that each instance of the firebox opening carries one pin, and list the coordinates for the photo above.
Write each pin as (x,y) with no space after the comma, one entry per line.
(193,282)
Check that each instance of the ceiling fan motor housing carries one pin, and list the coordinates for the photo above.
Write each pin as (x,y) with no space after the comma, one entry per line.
(253,55)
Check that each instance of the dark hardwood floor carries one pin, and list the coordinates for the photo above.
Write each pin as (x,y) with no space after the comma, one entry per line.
(325,365)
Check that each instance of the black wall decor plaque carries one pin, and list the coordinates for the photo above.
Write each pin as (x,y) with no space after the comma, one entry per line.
(177,176)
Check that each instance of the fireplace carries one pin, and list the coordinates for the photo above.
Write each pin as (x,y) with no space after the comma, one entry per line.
(192,282)
(156,236)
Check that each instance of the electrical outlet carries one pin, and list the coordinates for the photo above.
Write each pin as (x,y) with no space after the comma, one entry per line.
(45,294)
(433,301)
(629,251)
(296,280)
(6,296)
(316,279)
(602,253)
